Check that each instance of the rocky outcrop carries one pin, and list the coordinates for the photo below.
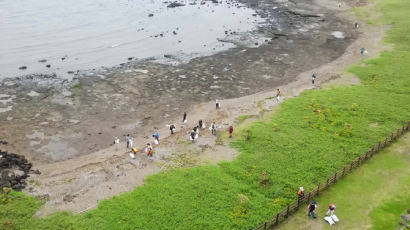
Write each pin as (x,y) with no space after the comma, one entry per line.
(14,169)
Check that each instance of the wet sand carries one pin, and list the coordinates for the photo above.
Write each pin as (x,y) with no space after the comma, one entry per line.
(67,131)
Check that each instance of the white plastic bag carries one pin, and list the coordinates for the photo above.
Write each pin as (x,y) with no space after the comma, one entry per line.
(334,218)
(132,156)
(329,220)
(156,141)
(185,121)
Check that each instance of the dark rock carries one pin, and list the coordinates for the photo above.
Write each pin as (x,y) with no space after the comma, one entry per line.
(14,170)
(35,172)
(48,66)
(130,58)
(175,4)
(70,72)
(42,60)
(175,33)
(150,15)
(23,67)
(405,217)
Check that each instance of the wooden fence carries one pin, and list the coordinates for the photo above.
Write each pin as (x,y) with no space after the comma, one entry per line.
(293,207)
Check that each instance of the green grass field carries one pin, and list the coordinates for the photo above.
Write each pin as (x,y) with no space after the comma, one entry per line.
(372,197)
(305,141)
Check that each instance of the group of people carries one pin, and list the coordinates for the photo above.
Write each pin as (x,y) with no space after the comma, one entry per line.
(194,134)
(330,216)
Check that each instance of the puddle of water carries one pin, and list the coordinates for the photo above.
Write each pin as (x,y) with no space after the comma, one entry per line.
(94,33)
(338,34)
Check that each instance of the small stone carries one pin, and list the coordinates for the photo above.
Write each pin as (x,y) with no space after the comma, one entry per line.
(405,217)
(23,67)
(48,66)
(150,15)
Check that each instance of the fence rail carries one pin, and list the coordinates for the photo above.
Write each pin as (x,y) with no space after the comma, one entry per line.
(293,207)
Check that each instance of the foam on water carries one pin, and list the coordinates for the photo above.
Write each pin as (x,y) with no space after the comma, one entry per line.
(93,33)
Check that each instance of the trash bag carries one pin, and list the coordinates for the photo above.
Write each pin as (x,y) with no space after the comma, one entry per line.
(329,220)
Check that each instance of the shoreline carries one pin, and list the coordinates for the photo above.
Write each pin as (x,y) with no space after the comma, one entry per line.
(331,73)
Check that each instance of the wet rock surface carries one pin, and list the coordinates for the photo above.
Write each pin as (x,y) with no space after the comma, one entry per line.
(14,169)
(51,119)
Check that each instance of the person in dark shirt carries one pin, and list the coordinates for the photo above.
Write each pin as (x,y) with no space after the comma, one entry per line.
(311,209)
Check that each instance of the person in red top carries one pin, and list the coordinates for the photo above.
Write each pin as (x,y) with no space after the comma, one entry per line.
(230,129)
(331,210)
(301,193)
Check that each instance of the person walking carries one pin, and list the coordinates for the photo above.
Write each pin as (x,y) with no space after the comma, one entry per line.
(201,124)
(156,138)
(148,150)
(230,130)
(184,120)
(213,128)
(313,78)
(311,209)
(363,51)
(217,104)
(356,25)
(331,210)
(278,95)
(301,193)
(196,129)
(172,128)
(128,141)
(192,136)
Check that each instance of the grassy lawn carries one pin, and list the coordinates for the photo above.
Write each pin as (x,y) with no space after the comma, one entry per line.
(372,197)
(304,142)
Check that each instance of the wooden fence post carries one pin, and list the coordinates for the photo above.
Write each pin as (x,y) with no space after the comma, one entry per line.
(385,142)
(398,133)
(378,146)
(327,183)
(358,162)
(351,166)
(298,201)
(334,178)
(287,212)
(344,169)
(277,219)
(264,227)
(372,151)
(392,137)
(402,130)
(309,197)
(318,189)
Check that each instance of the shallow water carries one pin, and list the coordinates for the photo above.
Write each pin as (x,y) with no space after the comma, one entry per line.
(93,33)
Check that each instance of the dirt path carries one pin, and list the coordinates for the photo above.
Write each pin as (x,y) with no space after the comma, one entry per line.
(80,183)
